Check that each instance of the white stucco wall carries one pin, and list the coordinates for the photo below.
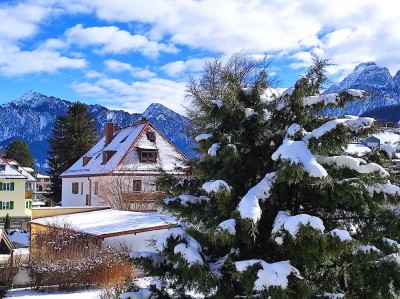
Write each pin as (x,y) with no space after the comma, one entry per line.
(68,199)
(139,241)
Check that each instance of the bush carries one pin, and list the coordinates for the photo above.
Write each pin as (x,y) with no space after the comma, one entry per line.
(8,269)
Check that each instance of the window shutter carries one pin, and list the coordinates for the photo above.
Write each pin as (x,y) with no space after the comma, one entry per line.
(1,205)
(11,205)
(1,186)
(12,186)
(30,204)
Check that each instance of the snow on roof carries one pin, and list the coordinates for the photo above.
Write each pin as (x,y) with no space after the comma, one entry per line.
(42,176)
(9,172)
(357,149)
(108,222)
(120,143)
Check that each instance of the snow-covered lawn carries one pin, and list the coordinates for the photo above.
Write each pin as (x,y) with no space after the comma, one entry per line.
(28,293)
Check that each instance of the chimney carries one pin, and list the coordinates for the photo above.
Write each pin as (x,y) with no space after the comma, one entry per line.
(109,132)
(144,120)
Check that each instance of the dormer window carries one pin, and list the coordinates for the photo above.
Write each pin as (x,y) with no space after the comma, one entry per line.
(148,156)
(2,167)
(151,136)
(86,160)
(107,156)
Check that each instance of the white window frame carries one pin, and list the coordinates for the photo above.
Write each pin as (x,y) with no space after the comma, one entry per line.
(6,186)
(6,205)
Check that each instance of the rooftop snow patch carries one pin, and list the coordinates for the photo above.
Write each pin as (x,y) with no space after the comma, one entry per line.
(357,164)
(249,207)
(215,186)
(105,222)
(296,152)
(291,224)
(270,275)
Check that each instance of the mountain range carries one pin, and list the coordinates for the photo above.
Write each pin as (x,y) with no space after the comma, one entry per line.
(382,87)
(31,118)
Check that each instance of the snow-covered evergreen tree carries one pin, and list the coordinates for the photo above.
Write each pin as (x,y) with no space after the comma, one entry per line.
(277,208)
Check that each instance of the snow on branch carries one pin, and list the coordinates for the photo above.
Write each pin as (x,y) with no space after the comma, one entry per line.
(357,164)
(212,151)
(215,186)
(355,123)
(189,249)
(366,249)
(342,234)
(186,199)
(296,152)
(217,103)
(392,243)
(334,295)
(228,226)
(356,92)
(202,137)
(270,275)
(387,188)
(291,224)
(325,99)
(249,207)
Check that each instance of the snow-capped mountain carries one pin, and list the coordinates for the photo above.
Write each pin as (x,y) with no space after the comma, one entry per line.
(31,118)
(384,89)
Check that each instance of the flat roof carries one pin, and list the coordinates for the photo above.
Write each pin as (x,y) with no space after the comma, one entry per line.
(107,223)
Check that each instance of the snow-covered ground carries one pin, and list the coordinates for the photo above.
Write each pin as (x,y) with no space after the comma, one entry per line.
(28,293)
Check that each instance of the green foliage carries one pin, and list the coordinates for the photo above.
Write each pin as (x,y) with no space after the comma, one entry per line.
(73,135)
(19,151)
(343,199)
(7,222)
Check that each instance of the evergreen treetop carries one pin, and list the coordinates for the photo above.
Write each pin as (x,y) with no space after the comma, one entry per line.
(73,135)
(19,151)
(304,219)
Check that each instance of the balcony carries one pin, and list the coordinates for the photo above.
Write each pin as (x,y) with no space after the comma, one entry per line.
(28,194)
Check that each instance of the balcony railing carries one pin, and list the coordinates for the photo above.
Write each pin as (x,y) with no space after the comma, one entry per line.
(28,194)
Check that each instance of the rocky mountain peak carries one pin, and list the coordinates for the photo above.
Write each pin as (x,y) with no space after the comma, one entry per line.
(363,65)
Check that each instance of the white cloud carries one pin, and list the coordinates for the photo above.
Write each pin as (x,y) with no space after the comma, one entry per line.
(88,90)
(178,67)
(119,67)
(111,39)
(14,62)
(135,96)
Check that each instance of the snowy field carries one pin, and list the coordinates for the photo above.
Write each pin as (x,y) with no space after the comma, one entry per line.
(28,293)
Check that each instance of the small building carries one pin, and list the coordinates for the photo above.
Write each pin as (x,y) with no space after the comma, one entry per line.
(15,192)
(6,248)
(102,227)
(120,171)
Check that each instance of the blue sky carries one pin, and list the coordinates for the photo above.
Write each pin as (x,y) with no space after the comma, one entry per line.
(126,54)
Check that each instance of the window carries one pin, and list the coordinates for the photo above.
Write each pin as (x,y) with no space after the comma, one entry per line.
(2,167)
(7,186)
(47,180)
(75,187)
(151,136)
(28,204)
(159,187)
(148,156)
(81,187)
(137,185)
(6,205)
(96,188)
(107,156)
